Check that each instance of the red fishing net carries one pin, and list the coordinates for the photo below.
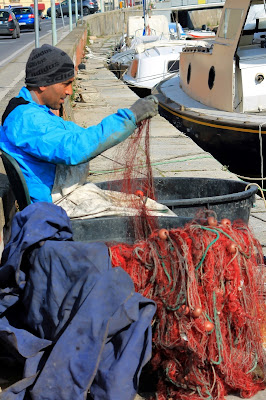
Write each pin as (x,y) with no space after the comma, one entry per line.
(208,286)
(137,179)
(207,280)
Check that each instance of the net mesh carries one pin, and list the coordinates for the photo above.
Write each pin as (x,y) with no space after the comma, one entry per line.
(207,332)
(207,279)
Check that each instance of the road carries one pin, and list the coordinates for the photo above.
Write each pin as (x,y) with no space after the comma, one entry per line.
(14,55)
(10,48)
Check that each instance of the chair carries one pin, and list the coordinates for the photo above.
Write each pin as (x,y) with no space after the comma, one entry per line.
(16,180)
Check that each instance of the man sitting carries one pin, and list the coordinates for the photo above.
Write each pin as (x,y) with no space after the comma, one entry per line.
(41,141)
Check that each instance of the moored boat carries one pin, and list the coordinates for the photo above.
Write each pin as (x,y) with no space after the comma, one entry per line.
(187,34)
(219,97)
(140,30)
(153,62)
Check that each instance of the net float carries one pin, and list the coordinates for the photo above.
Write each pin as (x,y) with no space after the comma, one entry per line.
(211,221)
(139,193)
(208,326)
(183,309)
(226,222)
(163,234)
(232,248)
(197,312)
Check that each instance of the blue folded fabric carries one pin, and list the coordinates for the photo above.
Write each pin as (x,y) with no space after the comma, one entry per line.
(75,323)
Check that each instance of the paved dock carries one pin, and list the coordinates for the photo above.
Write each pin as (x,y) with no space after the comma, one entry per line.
(99,93)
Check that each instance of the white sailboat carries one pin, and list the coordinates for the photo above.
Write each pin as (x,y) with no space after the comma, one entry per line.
(140,30)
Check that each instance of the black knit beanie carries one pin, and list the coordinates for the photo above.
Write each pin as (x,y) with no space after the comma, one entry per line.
(48,65)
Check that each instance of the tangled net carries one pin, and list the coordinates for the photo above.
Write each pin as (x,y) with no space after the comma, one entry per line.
(136,178)
(208,285)
(207,280)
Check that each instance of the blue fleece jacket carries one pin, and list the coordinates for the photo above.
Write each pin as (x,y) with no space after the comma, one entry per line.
(38,140)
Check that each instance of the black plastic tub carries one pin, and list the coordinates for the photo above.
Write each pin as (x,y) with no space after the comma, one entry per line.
(186,196)
(116,229)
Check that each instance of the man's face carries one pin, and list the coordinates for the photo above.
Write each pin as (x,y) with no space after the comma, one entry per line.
(53,96)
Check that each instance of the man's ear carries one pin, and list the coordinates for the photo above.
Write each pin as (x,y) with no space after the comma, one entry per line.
(42,88)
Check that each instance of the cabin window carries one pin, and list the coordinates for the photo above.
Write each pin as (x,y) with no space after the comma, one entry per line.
(230,23)
(211,77)
(188,73)
(173,66)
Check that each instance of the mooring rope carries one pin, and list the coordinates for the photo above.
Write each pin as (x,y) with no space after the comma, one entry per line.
(261,151)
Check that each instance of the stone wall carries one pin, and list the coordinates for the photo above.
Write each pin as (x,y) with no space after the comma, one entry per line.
(111,22)
(211,18)
(115,22)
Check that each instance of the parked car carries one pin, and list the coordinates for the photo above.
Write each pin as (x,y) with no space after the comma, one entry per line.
(8,24)
(25,17)
(89,7)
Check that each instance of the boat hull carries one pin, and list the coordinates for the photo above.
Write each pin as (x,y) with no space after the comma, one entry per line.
(235,146)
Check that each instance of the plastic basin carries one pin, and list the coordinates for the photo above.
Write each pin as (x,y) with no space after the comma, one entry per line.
(116,229)
(185,196)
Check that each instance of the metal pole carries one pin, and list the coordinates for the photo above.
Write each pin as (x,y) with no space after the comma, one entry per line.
(70,15)
(36,24)
(53,17)
(62,15)
(76,11)
(81,10)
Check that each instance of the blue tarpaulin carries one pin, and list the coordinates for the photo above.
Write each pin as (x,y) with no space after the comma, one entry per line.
(71,322)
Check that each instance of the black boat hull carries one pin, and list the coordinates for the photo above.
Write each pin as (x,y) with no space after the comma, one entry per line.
(237,147)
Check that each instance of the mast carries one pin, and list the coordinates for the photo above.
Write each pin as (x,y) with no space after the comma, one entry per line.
(145,17)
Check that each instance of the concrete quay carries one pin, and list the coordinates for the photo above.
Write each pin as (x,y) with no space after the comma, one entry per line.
(99,93)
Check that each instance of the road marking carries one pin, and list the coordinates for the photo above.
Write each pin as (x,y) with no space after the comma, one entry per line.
(6,60)
(14,82)
(23,48)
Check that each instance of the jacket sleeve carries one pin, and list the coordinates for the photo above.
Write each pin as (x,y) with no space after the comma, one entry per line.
(50,138)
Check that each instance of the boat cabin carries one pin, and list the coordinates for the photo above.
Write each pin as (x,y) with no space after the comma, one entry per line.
(231,74)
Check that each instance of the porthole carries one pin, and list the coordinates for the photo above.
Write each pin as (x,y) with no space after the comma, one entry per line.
(259,78)
(188,73)
(211,77)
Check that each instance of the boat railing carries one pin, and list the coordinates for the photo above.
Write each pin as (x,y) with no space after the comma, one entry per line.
(147,32)
(200,48)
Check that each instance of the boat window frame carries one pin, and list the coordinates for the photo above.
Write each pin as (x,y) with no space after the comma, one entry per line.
(173,63)
(227,21)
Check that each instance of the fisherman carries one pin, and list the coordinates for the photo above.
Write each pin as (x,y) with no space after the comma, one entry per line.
(45,145)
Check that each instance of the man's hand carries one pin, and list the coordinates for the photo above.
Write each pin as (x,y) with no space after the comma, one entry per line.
(145,108)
